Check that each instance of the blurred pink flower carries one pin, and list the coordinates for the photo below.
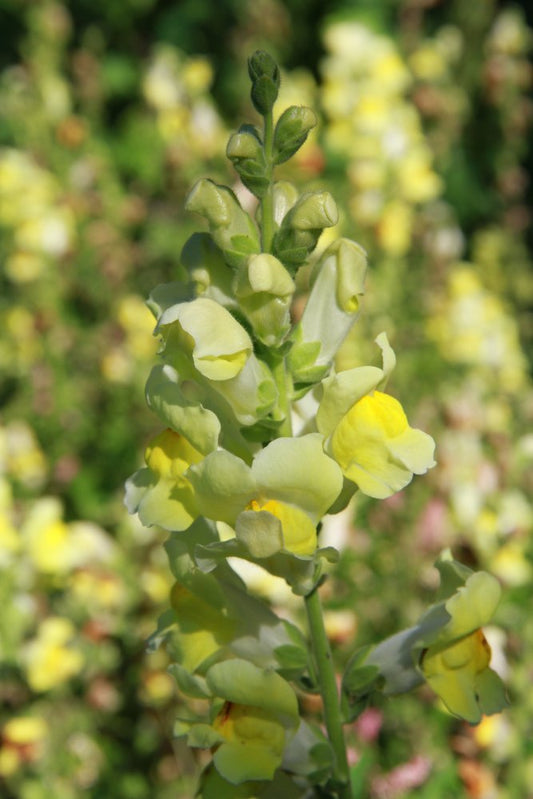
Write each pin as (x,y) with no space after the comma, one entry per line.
(403,778)
(368,725)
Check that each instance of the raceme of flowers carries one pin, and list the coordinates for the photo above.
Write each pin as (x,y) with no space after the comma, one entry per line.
(228,477)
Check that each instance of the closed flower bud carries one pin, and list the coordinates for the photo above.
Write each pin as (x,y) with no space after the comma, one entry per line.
(243,144)
(246,153)
(292,130)
(265,77)
(231,227)
(302,226)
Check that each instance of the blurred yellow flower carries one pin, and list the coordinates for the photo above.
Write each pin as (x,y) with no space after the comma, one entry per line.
(472,327)
(98,589)
(197,75)
(49,658)
(22,742)
(427,63)
(394,228)
(20,454)
(511,564)
(25,729)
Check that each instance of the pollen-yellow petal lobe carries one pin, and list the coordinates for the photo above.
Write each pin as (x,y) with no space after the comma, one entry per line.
(298,531)
(377,449)
(452,672)
(169,455)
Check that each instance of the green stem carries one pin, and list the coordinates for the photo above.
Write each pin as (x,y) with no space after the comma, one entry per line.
(267,202)
(328,690)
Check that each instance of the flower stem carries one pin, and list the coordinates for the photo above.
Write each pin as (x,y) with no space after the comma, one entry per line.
(267,202)
(329,693)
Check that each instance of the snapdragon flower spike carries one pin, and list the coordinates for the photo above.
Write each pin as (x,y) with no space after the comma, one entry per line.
(367,432)
(446,648)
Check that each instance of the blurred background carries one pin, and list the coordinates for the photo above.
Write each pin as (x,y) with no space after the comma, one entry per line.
(109,111)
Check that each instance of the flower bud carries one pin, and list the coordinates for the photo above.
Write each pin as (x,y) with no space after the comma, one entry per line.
(246,153)
(292,130)
(265,77)
(314,210)
(302,226)
(231,227)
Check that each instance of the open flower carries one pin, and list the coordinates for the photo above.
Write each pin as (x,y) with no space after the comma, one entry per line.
(367,430)
(277,502)
(447,649)
(161,493)
(250,732)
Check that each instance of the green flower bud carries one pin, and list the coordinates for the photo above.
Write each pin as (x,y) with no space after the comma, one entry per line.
(265,76)
(244,144)
(262,64)
(314,210)
(302,226)
(246,153)
(292,130)
(231,227)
